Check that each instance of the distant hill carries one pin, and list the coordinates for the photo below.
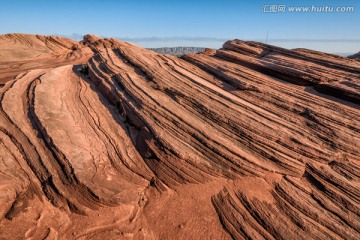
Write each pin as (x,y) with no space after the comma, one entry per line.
(177,51)
(356,56)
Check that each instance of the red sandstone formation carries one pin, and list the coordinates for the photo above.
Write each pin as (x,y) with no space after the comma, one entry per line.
(231,143)
(23,52)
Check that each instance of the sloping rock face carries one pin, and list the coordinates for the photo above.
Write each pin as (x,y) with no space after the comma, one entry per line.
(229,144)
(328,73)
(23,52)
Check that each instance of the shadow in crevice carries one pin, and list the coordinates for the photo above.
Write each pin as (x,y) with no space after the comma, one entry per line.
(320,90)
(313,91)
(116,109)
(126,118)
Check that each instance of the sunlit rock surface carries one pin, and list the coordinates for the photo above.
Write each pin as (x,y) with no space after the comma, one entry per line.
(101,139)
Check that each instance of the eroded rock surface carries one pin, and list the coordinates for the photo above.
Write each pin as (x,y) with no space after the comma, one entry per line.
(231,143)
(23,52)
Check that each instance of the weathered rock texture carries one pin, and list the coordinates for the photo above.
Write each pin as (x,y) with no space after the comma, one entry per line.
(23,52)
(234,143)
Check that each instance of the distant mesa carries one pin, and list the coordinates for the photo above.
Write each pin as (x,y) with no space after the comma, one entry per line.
(177,51)
(355,56)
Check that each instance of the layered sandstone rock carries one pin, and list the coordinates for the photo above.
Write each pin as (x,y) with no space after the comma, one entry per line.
(222,144)
(23,52)
(329,74)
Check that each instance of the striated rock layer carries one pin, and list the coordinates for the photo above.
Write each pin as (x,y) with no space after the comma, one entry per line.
(250,141)
(24,52)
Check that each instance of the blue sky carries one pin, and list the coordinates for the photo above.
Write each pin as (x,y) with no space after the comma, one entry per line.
(158,23)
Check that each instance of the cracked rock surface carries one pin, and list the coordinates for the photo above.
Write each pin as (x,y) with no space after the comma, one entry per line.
(102,139)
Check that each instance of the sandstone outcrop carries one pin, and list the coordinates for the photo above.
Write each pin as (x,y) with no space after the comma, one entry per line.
(23,52)
(330,74)
(235,143)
